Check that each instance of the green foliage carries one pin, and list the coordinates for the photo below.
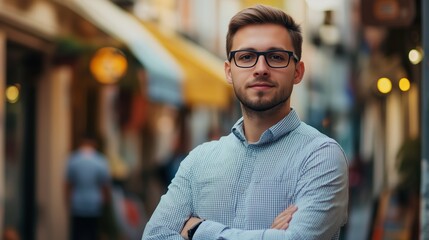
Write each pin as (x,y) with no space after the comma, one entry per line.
(72,47)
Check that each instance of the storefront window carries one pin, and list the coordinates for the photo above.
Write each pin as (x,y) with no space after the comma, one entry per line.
(23,69)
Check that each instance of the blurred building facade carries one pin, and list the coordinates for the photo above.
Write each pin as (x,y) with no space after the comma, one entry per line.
(54,97)
(28,30)
(173,97)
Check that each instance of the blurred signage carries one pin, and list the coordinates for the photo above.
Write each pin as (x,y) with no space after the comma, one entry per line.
(388,13)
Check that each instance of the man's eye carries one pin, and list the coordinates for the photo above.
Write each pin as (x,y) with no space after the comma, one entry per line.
(246,57)
(277,57)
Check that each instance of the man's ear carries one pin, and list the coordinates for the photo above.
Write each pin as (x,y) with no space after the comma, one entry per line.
(227,68)
(299,72)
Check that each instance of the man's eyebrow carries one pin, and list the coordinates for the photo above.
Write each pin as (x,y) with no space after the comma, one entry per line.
(244,49)
(276,48)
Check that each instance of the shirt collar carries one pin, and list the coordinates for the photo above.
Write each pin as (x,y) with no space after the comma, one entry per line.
(289,123)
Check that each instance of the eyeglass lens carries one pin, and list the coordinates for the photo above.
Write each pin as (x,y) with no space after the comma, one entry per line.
(276,59)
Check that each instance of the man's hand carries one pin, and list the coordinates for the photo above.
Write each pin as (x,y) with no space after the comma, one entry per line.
(188,225)
(281,222)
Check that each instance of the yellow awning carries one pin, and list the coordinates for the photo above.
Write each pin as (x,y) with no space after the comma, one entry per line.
(204,82)
(164,73)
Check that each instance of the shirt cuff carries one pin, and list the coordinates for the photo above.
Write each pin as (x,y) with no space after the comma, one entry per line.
(208,230)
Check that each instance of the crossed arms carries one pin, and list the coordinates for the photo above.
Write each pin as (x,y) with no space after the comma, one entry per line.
(281,222)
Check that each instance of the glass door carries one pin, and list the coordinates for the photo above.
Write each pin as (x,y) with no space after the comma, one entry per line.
(24,67)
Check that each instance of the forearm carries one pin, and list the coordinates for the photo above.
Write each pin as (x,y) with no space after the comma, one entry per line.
(165,223)
(209,230)
(173,210)
(281,222)
(156,232)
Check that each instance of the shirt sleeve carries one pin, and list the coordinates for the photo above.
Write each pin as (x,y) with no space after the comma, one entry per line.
(104,171)
(321,198)
(174,208)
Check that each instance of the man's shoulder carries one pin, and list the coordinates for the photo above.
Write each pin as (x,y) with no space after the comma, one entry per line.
(309,132)
(313,138)
(78,159)
(221,142)
(211,149)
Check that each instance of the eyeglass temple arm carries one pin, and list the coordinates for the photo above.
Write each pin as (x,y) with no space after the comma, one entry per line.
(295,57)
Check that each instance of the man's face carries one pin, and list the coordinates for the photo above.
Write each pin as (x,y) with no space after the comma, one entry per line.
(261,88)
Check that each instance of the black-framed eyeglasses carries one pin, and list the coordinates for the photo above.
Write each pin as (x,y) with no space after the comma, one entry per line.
(274,58)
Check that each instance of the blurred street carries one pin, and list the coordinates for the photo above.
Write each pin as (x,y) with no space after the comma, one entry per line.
(145,78)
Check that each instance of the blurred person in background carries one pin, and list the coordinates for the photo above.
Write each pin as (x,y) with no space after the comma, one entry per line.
(273,176)
(87,190)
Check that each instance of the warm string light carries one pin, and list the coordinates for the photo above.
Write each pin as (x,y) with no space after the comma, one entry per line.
(415,55)
(404,84)
(12,93)
(384,85)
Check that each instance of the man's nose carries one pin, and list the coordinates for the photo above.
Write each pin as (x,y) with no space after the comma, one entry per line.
(261,67)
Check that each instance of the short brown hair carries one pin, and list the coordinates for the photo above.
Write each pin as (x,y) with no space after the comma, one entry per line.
(262,14)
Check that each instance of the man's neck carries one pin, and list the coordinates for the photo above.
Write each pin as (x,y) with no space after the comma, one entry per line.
(256,123)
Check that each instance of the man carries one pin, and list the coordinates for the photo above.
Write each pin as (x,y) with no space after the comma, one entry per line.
(87,190)
(248,184)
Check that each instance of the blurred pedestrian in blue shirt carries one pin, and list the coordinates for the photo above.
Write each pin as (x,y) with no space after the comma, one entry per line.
(273,177)
(87,190)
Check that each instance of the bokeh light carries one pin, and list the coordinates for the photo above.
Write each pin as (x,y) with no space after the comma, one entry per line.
(415,56)
(12,94)
(404,84)
(384,85)
(108,65)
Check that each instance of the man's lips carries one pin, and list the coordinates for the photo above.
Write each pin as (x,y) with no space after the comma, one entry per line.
(261,86)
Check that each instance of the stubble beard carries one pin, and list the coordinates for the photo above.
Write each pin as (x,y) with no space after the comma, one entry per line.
(260,105)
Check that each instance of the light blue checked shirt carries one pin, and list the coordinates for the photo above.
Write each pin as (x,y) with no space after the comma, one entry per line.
(239,188)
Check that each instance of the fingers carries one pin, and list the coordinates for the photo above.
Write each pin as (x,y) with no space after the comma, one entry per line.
(281,222)
(288,211)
